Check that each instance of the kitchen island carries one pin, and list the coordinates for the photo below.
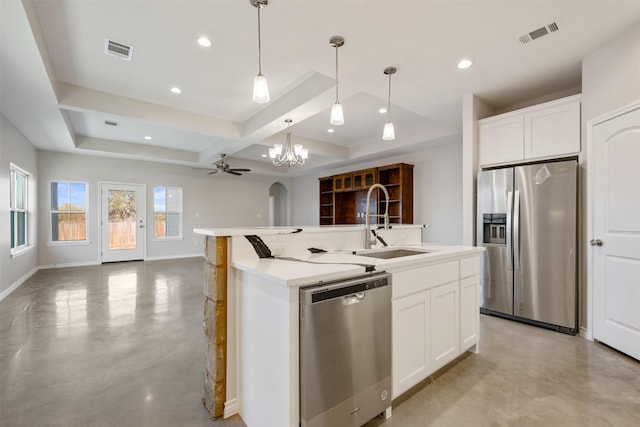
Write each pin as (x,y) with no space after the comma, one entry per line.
(252,281)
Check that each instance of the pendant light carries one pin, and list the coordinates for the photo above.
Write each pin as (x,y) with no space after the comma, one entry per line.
(260,86)
(337,117)
(389,133)
(292,154)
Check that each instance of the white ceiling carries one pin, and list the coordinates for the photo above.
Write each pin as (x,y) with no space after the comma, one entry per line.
(59,87)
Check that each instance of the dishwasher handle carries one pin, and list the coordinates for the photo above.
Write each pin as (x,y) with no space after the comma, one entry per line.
(353,298)
(354,289)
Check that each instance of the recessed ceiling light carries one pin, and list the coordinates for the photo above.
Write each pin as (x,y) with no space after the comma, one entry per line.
(382,110)
(176,90)
(264,155)
(203,41)
(148,138)
(330,130)
(465,63)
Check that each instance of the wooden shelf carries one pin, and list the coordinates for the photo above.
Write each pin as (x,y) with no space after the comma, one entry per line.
(345,194)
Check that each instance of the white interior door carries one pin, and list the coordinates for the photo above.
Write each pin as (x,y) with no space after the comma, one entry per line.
(616,232)
(123,222)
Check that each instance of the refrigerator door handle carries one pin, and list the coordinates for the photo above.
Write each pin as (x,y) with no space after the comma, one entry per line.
(516,230)
(509,247)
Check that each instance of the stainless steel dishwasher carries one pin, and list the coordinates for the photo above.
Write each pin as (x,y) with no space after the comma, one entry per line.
(345,351)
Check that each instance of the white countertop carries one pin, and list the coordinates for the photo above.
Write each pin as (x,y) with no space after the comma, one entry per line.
(223,232)
(308,268)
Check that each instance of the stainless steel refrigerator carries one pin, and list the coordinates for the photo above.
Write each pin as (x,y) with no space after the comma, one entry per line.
(527,224)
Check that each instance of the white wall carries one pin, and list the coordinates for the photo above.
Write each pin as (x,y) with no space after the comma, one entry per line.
(219,200)
(610,81)
(437,191)
(16,149)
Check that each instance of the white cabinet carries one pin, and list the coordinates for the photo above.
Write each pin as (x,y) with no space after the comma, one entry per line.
(469,309)
(445,324)
(435,318)
(501,140)
(552,131)
(543,131)
(411,341)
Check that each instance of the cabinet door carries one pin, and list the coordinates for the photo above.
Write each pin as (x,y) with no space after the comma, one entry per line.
(501,140)
(338,183)
(411,348)
(552,131)
(469,312)
(445,324)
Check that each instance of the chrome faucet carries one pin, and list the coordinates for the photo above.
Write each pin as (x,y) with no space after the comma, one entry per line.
(367,239)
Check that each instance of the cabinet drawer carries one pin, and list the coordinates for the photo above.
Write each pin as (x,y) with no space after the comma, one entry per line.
(469,266)
(420,279)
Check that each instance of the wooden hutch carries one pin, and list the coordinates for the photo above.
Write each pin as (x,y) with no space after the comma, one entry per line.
(343,197)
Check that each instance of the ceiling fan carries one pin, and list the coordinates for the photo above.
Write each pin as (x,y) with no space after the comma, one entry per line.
(222,166)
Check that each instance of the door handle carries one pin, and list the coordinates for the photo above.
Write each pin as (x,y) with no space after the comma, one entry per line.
(516,230)
(509,214)
(595,242)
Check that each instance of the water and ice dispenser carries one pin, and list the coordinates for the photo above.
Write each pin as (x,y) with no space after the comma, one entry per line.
(495,228)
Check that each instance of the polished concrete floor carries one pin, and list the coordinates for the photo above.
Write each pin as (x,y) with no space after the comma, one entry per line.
(122,345)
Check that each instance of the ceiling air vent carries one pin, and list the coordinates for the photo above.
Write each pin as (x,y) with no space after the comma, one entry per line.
(110,123)
(118,49)
(540,32)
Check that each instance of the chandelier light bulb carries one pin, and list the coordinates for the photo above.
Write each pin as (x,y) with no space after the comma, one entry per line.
(337,117)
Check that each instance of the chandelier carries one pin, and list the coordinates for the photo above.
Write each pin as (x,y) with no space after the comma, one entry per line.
(292,154)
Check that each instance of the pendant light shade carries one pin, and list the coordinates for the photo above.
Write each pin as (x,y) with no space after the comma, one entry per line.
(337,116)
(389,133)
(260,90)
(260,86)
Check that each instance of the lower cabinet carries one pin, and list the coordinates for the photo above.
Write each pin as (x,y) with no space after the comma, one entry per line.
(435,318)
(469,307)
(411,341)
(445,324)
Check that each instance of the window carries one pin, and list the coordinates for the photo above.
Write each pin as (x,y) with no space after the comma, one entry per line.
(18,207)
(68,211)
(167,210)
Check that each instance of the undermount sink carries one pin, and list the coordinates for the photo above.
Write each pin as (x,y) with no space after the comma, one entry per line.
(391,253)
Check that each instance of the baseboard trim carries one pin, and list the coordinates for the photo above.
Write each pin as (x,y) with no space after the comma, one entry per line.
(161,258)
(584,333)
(69,264)
(17,283)
(231,407)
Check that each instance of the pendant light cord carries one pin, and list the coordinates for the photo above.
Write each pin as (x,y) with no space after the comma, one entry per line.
(259,45)
(389,100)
(337,74)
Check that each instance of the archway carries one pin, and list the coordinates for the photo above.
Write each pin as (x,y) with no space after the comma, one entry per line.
(278,205)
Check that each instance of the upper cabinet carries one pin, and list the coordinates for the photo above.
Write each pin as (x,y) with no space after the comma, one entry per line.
(543,131)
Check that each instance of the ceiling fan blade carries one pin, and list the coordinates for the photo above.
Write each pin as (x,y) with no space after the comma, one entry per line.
(232,172)
(202,169)
(212,172)
(240,170)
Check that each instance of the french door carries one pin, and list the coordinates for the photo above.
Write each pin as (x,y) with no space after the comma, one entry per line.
(123,217)
(616,232)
